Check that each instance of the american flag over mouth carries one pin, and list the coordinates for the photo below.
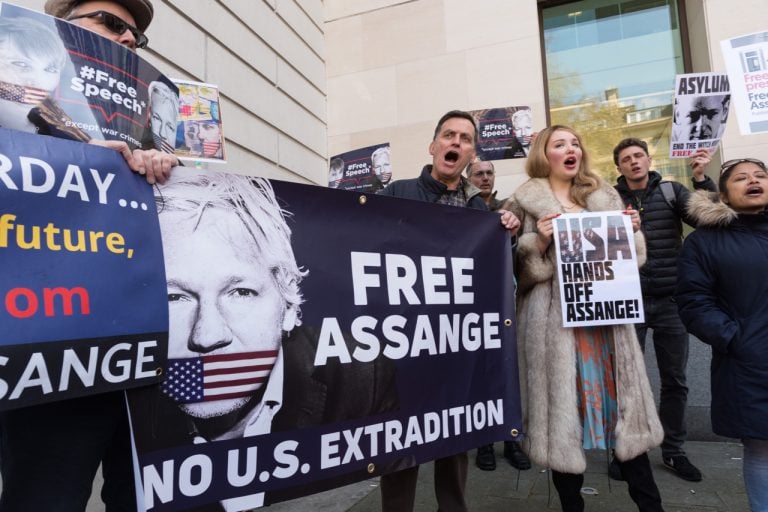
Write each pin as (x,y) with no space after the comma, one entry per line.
(211,148)
(217,377)
(22,94)
(161,144)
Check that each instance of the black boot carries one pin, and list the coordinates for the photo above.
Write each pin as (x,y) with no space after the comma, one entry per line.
(568,488)
(485,458)
(642,487)
(516,456)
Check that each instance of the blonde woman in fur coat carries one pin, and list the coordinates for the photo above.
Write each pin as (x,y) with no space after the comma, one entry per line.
(583,387)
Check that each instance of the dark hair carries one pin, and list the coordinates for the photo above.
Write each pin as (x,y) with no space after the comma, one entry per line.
(727,169)
(456,113)
(627,143)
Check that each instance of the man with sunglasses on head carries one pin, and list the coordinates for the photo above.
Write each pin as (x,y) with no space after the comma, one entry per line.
(662,206)
(49,453)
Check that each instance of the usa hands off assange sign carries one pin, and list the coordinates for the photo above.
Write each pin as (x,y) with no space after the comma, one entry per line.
(597,269)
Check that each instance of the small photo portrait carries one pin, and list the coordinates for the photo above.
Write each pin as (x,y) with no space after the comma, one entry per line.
(163,113)
(700,117)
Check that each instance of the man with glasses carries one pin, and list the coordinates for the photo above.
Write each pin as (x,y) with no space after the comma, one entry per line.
(662,207)
(482,174)
(49,453)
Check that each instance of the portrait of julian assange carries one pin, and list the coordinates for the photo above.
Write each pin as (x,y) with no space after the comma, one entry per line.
(163,113)
(240,360)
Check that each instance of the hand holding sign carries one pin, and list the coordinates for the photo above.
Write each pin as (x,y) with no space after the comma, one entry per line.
(545,230)
(635,216)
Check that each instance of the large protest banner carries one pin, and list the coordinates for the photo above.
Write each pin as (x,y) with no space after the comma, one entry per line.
(597,269)
(503,133)
(746,59)
(366,169)
(303,356)
(91,87)
(700,111)
(84,303)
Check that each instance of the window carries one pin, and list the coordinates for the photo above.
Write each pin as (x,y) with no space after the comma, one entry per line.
(611,69)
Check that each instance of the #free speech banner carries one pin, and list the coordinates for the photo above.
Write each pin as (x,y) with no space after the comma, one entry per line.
(597,269)
(503,133)
(366,169)
(405,349)
(84,298)
(88,86)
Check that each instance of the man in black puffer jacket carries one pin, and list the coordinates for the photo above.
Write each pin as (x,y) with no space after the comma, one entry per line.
(662,207)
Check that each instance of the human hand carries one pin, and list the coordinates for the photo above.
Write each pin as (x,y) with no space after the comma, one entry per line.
(119,146)
(510,221)
(635,215)
(545,230)
(699,162)
(154,164)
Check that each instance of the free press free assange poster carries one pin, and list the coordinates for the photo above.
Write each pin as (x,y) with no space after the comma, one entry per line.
(84,297)
(330,357)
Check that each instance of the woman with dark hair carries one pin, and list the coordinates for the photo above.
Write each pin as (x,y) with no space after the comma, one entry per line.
(721,295)
(585,387)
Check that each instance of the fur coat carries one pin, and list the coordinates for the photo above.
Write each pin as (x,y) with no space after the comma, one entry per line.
(553,424)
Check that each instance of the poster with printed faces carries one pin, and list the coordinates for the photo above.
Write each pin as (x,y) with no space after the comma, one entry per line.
(699,113)
(746,59)
(62,80)
(597,269)
(200,129)
(504,132)
(366,169)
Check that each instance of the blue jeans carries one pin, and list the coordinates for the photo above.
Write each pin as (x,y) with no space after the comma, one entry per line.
(756,473)
(670,342)
(50,453)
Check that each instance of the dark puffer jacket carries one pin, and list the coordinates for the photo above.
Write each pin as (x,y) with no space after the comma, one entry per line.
(721,295)
(426,188)
(663,230)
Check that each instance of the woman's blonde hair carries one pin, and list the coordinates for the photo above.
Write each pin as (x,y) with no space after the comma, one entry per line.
(537,166)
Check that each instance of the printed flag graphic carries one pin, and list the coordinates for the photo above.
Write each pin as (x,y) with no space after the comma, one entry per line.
(22,94)
(217,377)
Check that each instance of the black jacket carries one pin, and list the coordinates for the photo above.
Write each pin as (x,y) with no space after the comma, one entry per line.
(663,230)
(721,296)
(426,188)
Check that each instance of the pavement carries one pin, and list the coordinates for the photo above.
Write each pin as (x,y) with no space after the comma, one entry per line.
(506,489)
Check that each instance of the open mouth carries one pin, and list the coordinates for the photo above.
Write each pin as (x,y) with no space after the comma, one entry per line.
(754,191)
(451,156)
(570,161)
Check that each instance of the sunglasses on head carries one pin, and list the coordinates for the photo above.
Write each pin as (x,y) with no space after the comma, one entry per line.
(730,164)
(116,25)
